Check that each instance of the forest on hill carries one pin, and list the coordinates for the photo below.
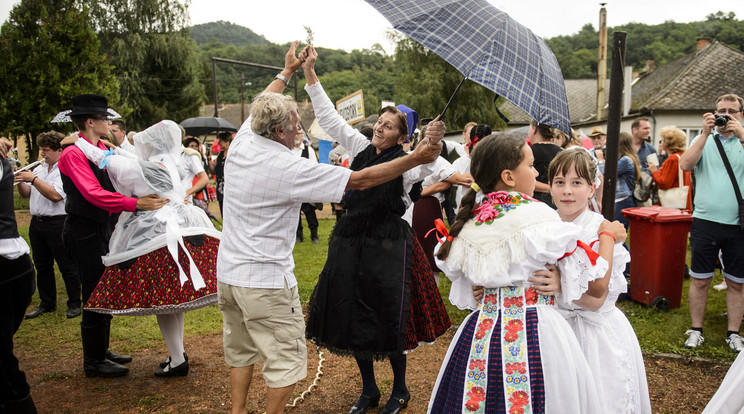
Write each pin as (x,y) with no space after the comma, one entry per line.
(153,65)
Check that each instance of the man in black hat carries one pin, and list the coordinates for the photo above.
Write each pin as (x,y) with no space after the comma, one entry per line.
(92,208)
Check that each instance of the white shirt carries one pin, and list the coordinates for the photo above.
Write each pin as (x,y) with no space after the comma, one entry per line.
(40,205)
(193,166)
(354,141)
(265,185)
(442,170)
(462,166)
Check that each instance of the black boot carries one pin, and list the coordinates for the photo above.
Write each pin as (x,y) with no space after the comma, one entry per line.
(95,363)
(111,355)
(22,406)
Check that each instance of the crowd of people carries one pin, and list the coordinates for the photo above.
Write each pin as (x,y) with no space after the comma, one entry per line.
(527,249)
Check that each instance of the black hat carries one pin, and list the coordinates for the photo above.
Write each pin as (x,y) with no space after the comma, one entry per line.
(90,104)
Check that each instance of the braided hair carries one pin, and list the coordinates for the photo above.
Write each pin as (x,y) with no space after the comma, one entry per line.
(494,154)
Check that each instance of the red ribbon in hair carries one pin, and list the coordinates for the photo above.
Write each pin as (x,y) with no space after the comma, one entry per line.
(593,256)
(441,231)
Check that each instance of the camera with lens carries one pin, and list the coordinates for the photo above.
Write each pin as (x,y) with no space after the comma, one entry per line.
(721,120)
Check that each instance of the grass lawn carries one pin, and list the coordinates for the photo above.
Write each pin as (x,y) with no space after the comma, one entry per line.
(658,332)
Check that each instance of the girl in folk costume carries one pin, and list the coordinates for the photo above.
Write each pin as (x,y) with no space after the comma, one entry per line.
(146,271)
(515,353)
(604,333)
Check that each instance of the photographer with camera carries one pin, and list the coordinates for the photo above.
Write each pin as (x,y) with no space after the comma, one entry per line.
(717,220)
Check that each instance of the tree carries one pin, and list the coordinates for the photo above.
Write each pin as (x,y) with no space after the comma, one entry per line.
(155,59)
(50,54)
(426,82)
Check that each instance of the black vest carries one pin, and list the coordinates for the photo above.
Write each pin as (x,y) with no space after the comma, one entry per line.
(77,205)
(8,226)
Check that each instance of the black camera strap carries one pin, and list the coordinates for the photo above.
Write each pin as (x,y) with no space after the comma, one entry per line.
(730,171)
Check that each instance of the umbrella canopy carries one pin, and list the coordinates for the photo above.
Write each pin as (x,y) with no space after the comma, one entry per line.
(488,47)
(203,125)
(64,116)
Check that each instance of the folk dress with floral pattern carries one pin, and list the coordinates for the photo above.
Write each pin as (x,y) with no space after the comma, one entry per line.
(515,353)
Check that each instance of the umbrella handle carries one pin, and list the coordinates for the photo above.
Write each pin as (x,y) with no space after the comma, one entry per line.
(441,116)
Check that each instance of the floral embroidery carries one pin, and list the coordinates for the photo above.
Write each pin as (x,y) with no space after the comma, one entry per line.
(514,350)
(497,204)
(508,303)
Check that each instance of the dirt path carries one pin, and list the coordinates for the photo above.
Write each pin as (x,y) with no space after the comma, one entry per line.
(59,386)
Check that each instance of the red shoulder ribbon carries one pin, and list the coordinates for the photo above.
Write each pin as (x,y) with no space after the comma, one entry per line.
(593,256)
(441,230)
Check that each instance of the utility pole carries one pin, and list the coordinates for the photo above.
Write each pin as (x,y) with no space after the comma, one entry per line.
(601,61)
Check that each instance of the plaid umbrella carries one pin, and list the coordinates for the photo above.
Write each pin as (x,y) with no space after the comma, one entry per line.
(488,47)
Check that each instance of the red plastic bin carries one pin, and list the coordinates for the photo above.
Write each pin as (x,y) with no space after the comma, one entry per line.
(658,248)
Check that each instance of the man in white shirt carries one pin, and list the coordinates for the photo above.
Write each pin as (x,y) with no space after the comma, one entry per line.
(47,207)
(265,184)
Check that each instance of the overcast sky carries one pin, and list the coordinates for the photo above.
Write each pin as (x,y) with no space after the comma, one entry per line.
(354,24)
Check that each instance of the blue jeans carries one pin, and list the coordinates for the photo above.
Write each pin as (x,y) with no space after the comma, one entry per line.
(619,206)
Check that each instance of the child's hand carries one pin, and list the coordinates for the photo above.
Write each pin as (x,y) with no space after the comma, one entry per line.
(615,228)
(546,282)
(478,293)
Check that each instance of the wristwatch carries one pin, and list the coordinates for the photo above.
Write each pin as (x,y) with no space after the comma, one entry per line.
(282,78)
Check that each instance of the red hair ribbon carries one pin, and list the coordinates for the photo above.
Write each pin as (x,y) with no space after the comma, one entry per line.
(441,230)
(593,256)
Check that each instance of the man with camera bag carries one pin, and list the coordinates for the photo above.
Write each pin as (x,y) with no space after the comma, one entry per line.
(717,154)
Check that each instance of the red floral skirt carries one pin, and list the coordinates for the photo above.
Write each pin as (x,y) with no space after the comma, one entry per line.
(151,284)
(428,318)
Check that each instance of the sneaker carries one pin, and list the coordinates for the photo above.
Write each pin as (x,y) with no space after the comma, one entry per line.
(720,286)
(735,342)
(695,339)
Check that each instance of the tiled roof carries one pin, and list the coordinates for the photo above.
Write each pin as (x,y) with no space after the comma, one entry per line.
(582,98)
(692,82)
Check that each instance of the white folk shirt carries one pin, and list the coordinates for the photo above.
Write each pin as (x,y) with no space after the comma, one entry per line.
(40,205)
(265,185)
(193,166)
(14,248)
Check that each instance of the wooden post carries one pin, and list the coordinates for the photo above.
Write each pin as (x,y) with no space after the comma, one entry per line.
(613,124)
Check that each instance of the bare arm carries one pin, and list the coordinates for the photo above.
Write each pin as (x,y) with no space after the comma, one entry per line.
(435,188)
(199,185)
(24,187)
(542,187)
(291,64)
(599,288)
(690,158)
(382,173)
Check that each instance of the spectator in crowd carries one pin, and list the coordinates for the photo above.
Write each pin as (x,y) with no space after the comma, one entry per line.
(304,150)
(43,186)
(716,221)
(599,140)
(541,138)
(628,174)
(119,130)
(674,141)
(462,164)
(218,166)
(16,289)
(92,208)
(265,185)
(641,131)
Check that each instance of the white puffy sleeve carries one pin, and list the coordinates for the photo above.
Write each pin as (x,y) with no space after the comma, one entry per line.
(461,291)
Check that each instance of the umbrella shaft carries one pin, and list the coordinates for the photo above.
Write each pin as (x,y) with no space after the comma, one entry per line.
(441,116)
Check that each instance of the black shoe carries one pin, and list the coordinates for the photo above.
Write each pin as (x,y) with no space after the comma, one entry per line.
(179,371)
(363,403)
(395,405)
(119,359)
(316,240)
(167,361)
(105,368)
(38,311)
(73,312)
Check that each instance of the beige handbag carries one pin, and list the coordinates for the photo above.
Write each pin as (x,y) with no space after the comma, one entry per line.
(675,197)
